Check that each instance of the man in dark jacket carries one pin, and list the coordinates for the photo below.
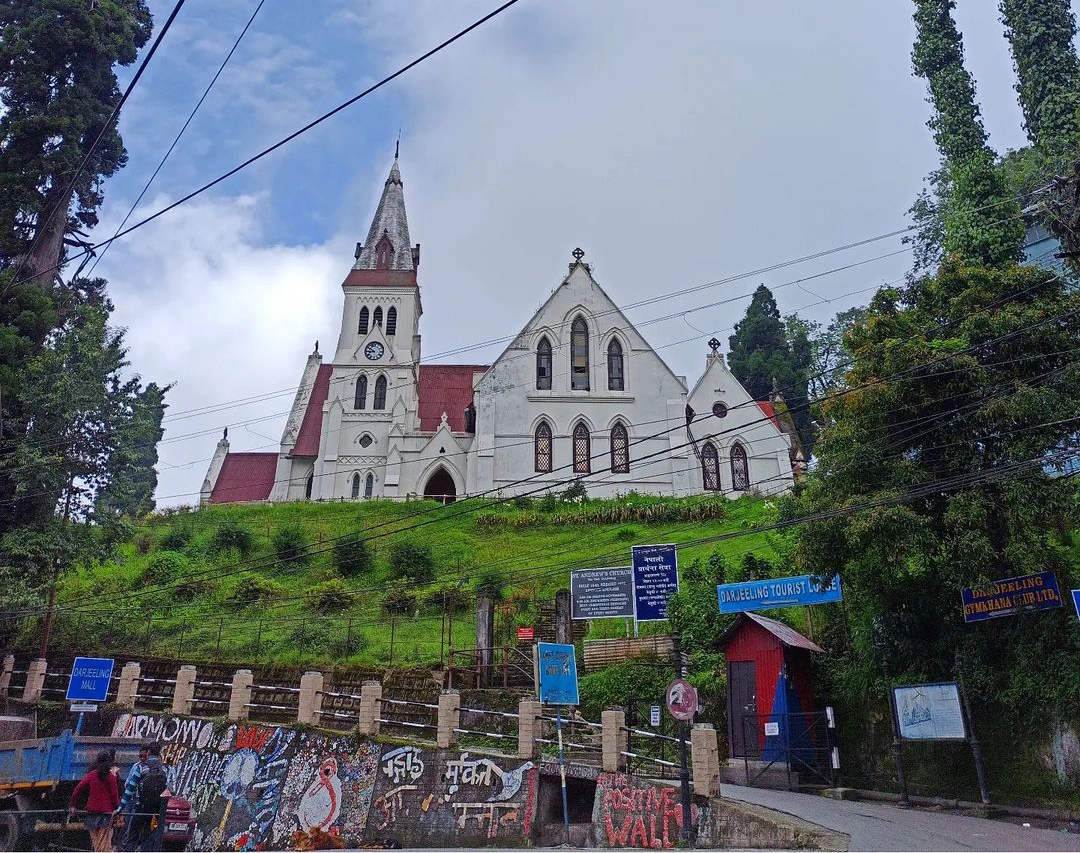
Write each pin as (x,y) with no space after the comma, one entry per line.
(142,807)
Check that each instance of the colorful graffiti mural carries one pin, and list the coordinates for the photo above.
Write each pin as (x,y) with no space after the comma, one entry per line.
(630,812)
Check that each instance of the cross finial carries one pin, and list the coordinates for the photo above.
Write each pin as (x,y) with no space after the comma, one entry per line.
(225,434)
(397,145)
(578,254)
(714,344)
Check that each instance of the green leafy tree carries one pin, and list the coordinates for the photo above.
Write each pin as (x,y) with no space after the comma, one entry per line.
(829,356)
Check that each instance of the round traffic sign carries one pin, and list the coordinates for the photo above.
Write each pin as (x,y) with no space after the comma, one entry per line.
(681,699)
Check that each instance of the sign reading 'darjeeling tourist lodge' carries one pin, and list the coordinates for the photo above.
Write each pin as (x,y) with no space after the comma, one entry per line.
(1006,597)
(778,592)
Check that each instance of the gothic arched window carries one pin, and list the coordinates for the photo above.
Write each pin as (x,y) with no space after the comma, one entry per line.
(362,327)
(710,467)
(615,380)
(543,365)
(360,400)
(369,485)
(740,470)
(542,447)
(376,317)
(355,486)
(309,485)
(582,452)
(380,394)
(391,321)
(620,450)
(579,355)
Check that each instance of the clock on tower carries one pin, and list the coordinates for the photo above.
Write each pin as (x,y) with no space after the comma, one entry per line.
(373,351)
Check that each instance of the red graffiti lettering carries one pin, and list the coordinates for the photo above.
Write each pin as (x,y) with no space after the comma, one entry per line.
(252,737)
(638,832)
(617,837)
(641,816)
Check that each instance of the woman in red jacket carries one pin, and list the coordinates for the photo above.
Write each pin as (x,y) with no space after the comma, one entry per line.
(99,791)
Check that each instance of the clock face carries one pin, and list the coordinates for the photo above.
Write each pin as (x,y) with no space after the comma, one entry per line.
(373,351)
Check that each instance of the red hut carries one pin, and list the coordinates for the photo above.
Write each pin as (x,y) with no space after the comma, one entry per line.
(770,687)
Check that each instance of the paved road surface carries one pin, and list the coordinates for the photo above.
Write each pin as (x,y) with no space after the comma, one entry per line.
(882,826)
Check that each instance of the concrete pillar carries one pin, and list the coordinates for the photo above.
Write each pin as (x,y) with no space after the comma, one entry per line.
(128,687)
(563,623)
(241,694)
(184,694)
(5,675)
(485,638)
(529,711)
(370,708)
(613,740)
(705,760)
(35,680)
(311,695)
(449,719)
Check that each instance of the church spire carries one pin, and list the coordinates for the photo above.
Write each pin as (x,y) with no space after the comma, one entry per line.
(387,246)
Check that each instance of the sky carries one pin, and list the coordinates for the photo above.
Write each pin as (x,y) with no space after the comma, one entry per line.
(679,145)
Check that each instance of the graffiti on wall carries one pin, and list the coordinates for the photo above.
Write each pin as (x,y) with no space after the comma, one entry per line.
(634,813)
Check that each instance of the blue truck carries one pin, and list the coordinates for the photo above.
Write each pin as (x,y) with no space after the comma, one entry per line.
(37,777)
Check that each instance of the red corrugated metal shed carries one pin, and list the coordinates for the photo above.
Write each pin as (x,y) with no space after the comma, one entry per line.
(307,442)
(784,633)
(445,388)
(245,477)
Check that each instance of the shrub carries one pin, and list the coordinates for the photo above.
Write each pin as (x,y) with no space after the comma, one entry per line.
(255,590)
(398,600)
(143,543)
(330,596)
(291,545)
(353,556)
(410,560)
(575,492)
(523,502)
(165,566)
(175,539)
(453,598)
(548,503)
(346,644)
(626,534)
(233,536)
(491,583)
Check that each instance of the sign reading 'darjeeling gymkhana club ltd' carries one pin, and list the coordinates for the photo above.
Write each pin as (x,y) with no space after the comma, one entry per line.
(777,592)
(656,579)
(1006,597)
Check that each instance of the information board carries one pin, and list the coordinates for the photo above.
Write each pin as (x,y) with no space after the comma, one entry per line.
(89,680)
(557,673)
(929,712)
(1009,596)
(602,593)
(656,579)
(1076,601)
(776,592)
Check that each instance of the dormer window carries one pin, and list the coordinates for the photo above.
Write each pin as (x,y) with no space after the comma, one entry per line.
(383,249)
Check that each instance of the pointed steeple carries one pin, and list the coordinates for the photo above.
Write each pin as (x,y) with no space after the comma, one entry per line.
(388,246)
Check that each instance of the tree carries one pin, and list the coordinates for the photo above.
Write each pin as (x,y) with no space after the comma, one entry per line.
(58,88)
(766,354)
(980,219)
(830,357)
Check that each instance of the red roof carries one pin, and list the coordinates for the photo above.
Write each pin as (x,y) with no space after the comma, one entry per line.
(307,442)
(245,477)
(380,278)
(769,411)
(785,634)
(445,388)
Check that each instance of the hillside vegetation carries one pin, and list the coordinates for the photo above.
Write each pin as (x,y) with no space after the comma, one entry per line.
(320,582)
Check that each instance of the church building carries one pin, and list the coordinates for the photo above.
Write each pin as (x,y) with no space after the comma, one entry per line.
(577,394)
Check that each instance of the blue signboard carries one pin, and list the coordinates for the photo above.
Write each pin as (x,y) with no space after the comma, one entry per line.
(656,579)
(557,673)
(778,592)
(89,680)
(1076,601)
(1009,596)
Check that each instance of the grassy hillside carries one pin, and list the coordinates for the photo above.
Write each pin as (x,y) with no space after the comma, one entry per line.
(289,583)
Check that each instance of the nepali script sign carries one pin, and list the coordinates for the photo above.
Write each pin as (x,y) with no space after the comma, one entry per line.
(656,579)
(557,673)
(1009,596)
(601,593)
(777,592)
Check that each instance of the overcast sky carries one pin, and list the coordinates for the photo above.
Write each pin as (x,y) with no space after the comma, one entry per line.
(678,144)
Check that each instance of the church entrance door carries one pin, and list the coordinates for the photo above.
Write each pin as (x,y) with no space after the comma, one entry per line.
(440,487)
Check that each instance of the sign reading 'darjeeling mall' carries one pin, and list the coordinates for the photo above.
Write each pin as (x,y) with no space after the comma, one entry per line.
(777,592)
(1006,597)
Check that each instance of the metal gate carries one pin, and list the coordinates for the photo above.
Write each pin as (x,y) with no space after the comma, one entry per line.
(803,744)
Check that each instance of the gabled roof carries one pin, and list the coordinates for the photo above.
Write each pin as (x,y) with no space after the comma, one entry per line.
(390,220)
(786,635)
(307,440)
(245,477)
(445,388)
(769,411)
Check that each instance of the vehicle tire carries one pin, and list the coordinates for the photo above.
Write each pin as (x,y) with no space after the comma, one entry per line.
(9,830)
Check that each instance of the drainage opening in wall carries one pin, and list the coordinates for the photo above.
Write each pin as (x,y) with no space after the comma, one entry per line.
(580,794)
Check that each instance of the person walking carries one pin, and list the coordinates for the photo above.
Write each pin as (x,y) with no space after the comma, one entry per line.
(129,800)
(98,794)
(143,791)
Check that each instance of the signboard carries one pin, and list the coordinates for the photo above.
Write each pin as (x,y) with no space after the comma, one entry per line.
(557,671)
(778,592)
(681,698)
(772,730)
(929,712)
(83,708)
(654,715)
(602,593)
(89,680)
(656,579)
(526,633)
(1076,601)
(1009,596)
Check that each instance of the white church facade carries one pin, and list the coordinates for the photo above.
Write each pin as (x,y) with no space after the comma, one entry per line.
(578,393)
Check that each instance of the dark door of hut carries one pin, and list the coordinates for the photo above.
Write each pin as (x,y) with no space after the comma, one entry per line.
(742,703)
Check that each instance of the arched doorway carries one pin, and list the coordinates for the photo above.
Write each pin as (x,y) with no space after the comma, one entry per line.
(440,487)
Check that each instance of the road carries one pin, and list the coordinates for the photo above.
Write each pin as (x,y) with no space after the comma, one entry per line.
(882,826)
